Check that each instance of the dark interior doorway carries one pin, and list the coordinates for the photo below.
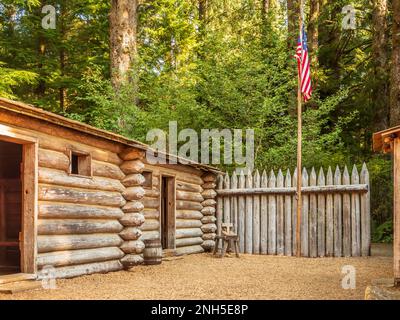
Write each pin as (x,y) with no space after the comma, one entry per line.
(167,212)
(10,207)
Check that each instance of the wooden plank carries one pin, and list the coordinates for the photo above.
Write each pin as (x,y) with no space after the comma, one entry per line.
(256,214)
(355,216)
(59,227)
(234,203)
(347,238)
(249,216)
(337,216)
(30,201)
(313,237)
(396,212)
(272,216)
(329,217)
(288,216)
(304,218)
(280,219)
(365,215)
(52,210)
(294,215)
(16,277)
(220,205)
(241,213)
(264,216)
(227,202)
(321,216)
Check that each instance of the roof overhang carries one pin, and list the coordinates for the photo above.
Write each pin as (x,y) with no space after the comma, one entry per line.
(383,140)
(40,114)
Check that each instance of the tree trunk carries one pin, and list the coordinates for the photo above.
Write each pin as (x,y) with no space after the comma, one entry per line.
(379,51)
(123,39)
(313,29)
(395,72)
(62,54)
(41,87)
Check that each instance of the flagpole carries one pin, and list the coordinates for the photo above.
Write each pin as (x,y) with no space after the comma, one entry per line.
(299,145)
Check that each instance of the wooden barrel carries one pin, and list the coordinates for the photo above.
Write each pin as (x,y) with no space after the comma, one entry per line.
(152,253)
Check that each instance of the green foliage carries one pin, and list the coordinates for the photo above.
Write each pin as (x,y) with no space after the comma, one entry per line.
(384,233)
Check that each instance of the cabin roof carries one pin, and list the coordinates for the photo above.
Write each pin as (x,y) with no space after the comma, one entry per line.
(38,113)
(382,139)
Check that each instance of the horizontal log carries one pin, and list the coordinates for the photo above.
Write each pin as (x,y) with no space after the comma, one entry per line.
(130,233)
(150,225)
(208,211)
(155,181)
(133,180)
(101,198)
(49,210)
(151,214)
(83,269)
(131,260)
(107,170)
(292,191)
(209,203)
(209,228)
(209,177)
(132,154)
(182,224)
(188,205)
(133,166)
(189,250)
(152,193)
(133,206)
(209,236)
(75,242)
(184,242)
(133,193)
(132,219)
(209,194)
(184,186)
(61,178)
(59,227)
(188,233)
(53,159)
(189,214)
(72,257)
(208,219)
(150,235)
(189,196)
(150,203)
(209,185)
(132,247)
(208,245)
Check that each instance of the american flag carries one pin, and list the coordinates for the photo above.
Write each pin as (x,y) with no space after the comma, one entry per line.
(303,65)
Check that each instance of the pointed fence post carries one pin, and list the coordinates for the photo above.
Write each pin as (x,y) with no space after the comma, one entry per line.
(346,216)
(355,216)
(256,215)
(234,202)
(288,216)
(280,217)
(242,212)
(321,215)
(264,216)
(272,216)
(220,205)
(313,241)
(337,216)
(249,216)
(366,214)
(329,216)
(294,215)
(227,202)
(304,217)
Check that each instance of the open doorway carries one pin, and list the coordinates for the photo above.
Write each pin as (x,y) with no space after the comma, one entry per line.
(10,207)
(167,212)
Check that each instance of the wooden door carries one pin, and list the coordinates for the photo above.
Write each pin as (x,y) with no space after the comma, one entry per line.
(167,219)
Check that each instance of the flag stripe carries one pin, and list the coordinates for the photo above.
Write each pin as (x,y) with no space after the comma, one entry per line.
(303,65)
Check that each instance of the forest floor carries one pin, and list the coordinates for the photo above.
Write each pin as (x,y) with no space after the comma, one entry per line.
(203,276)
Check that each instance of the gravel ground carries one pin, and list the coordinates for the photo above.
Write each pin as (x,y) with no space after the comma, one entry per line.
(202,276)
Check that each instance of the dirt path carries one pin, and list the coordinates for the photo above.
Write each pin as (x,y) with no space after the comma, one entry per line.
(205,277)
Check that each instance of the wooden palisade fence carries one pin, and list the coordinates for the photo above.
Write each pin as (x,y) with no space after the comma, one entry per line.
(335,215)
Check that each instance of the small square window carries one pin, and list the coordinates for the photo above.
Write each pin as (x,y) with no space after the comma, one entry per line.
(80,164)
(148,179)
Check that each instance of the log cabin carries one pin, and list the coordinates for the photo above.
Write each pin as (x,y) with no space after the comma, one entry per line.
(388,141)
(82,200)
